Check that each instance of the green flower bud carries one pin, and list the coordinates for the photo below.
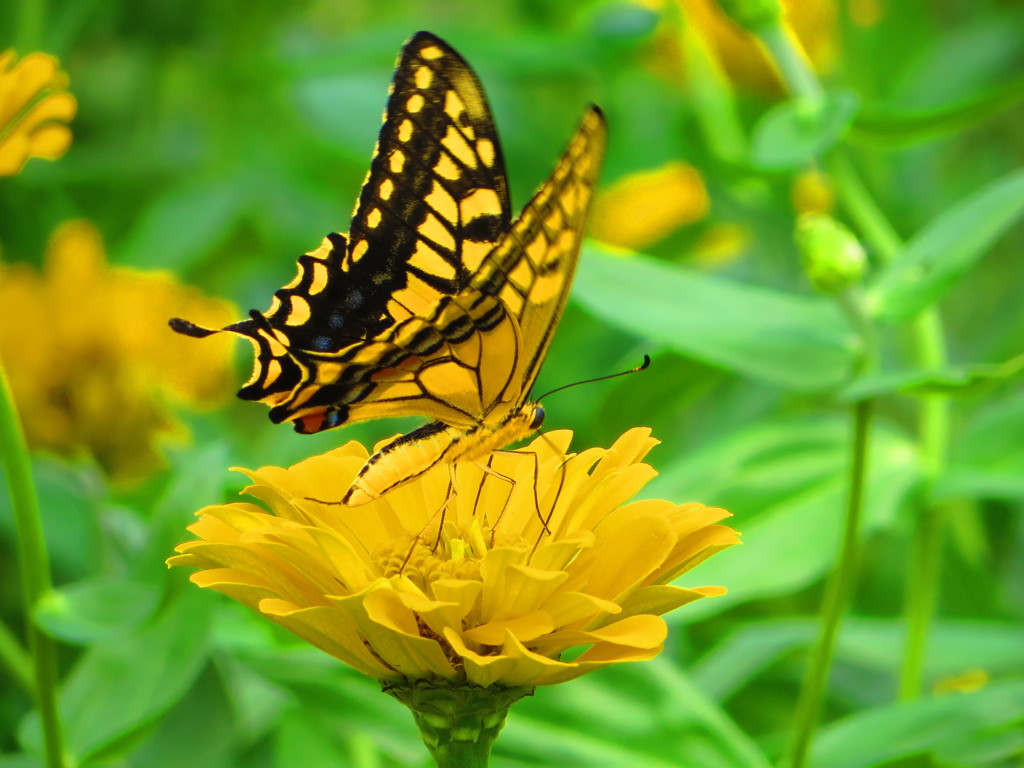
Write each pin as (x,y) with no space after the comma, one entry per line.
(457,722)
(833,257)
(752,15)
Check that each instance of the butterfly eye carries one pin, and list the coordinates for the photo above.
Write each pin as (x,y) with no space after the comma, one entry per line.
(538,417)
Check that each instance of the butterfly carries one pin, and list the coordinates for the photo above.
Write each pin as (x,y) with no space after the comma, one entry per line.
(437,303)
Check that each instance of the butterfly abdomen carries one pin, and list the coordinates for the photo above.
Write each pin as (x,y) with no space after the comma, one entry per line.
(411,455)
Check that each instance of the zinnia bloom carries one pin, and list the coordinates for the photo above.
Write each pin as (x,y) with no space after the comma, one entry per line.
(644,207)
(91,361)
(493,591)
(34,107)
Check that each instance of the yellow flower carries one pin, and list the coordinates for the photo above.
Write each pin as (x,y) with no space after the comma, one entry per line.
(490,599)
(33,109)
(91,360)
(811,23)
(644,207)
(812,192)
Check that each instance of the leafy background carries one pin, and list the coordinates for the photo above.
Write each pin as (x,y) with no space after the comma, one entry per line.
(221,140)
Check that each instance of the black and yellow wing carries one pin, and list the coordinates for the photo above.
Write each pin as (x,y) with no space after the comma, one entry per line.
(436,303)
(490,373)
(433,205)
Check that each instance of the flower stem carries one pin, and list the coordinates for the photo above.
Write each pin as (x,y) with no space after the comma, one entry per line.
(862,208)
(458,723)
(799,79)
(35,569)
(15,659)
(926,553)
(837,591)
(933,434)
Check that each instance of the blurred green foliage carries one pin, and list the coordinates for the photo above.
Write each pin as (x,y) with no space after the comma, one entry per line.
(222,140)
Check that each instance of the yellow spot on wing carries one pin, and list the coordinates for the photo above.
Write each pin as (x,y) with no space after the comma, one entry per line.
(473,254)
(423,77)
(485,148)
(442,202)
(405,131)
(328,373)
(271,372)
(433,229)
(299,311)
(322,251)
(457,145)
(359,250)
(319,281)
(396,162)
(373,218)
(431,52)
(415,103)
(277,349)
(480,201)
(386,188)
(430,261)
(446,168)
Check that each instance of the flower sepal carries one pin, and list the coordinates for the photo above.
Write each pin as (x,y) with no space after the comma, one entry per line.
(458,722)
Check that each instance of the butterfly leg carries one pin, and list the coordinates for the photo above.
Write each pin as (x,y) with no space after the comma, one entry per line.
(437,517)
(487,469)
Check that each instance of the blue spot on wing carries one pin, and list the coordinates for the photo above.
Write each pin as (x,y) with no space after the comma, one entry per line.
(321,343)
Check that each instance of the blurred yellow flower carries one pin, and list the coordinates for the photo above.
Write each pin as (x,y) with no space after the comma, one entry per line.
(490,599)
(812,192)
(91,360)
(644,207)
(34,108)
(812,23)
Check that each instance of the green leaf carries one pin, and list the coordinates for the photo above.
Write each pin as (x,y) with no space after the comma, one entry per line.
(942,253)
(919,728)
(348,704)
(96,609)
(171,743)
(959,380)
(799,342)
(785,483)
(121,686)
(987,457)
(649,715)
(867,645)
(787,138)
(184,224)
(303,740)
(902,128)
(21,761)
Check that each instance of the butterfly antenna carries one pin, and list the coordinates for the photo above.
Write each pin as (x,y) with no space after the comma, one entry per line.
(642,367)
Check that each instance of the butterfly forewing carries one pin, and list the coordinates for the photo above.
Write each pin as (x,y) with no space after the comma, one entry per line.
(434,203)
(435,200)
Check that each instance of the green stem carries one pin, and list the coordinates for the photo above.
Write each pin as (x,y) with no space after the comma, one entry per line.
(837,592)
(713,99)
(16,660)
(799,79)
(35,569)
(926,553)
(862,208)
(927,337)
